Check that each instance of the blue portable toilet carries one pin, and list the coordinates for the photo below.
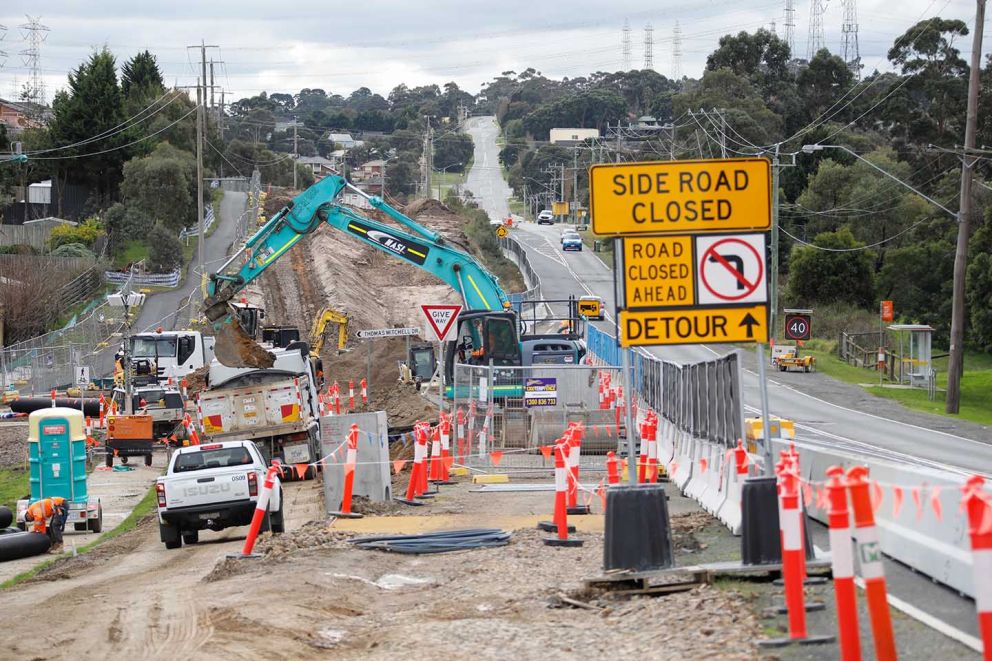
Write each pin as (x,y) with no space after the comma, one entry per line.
(57,454)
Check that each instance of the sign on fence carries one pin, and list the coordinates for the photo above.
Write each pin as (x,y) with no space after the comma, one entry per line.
(541,392)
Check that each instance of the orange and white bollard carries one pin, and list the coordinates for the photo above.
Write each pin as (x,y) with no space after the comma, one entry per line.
(561,508)
(445,431)
(261,508)
(53,397)
(350,463)
(323,404)
(336,389)
(102,420)
(184,386)
(89,425)
(602,392)
(425,432)
(365,391)
(574,435)
(642,455)
(351,395)
(870,557)
(842,560)
(612,471)
(435,473)
(979,506)
(419,452)
(652,432)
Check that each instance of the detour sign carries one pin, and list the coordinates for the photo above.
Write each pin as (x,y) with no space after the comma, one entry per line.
(680,196)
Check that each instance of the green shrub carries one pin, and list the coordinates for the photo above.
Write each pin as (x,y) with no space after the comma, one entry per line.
(165,250)
(86,233)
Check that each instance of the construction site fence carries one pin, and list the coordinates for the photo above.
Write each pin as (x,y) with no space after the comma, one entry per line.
(515,411)
(208,221)
(702,399)
(136,279)
(247,223)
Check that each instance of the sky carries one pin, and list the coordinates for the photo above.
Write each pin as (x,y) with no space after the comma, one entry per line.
(382,43)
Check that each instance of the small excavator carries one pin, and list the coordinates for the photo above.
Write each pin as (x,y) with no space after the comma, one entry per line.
(327,316)
(487,328)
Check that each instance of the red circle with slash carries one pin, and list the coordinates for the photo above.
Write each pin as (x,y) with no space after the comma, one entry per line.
(749,287)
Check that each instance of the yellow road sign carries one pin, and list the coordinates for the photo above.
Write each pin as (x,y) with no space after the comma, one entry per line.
(590,307)
(559,208)
(694,326)
(658,271)
(501,231)
(717,195)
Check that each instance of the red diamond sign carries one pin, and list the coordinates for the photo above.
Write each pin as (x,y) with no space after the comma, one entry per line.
(441,319)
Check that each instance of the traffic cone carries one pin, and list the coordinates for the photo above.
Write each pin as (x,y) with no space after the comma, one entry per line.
(842,560)
(365,391)
(460,432)
(435,474)
(561,509)
(870,553)
(612,473)
(425,430)
(979,506)
(446,459)
(574,457)
(350,463)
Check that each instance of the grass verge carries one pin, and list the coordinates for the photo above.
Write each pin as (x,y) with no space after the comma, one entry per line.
(13,485)
(606,253)
(140,511)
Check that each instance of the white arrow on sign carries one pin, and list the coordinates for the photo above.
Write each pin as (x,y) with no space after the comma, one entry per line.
(387,332)
(441,319)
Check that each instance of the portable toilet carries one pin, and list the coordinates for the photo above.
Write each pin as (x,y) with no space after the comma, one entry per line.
(57,454)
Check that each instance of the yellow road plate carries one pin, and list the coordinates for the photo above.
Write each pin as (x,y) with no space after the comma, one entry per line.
(694,326)
(658,272)
(680,196)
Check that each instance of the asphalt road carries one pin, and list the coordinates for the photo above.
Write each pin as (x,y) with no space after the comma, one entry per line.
(485,179)
(851,418)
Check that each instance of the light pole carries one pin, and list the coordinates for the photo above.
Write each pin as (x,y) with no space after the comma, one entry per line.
(445,171)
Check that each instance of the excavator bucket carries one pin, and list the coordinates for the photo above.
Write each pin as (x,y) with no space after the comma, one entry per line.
(234,348)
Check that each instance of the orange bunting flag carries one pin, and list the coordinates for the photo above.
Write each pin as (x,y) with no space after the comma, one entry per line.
(807,494)
(587,499)
(703,463)
(601,492)
(496,456)
(915,493)
(301,470)
(673,468)
(877,495)
(985,527)
(938,509)
(896,501)
(821,498)
(398,465)
(546,451)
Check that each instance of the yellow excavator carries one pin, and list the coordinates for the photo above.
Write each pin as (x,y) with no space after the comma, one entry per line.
(326,316)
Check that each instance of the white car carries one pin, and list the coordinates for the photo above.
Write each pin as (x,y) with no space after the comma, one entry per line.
(213,486)
(545,217)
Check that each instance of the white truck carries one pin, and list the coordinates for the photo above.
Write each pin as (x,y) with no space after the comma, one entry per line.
(213,486)
(174,353)
(277,407)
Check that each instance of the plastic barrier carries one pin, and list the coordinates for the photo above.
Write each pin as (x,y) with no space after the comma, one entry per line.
(842,559)
(261,509)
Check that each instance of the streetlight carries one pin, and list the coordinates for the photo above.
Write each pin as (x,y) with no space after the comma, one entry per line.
(445,171)
(809,149)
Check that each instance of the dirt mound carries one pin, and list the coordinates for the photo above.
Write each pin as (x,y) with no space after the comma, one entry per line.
(14,444)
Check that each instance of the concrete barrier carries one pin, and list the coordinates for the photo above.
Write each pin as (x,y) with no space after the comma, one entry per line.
(372,472)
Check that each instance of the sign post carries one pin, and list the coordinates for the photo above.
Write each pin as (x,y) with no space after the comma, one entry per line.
(691,253)
(440,320)
(886,313)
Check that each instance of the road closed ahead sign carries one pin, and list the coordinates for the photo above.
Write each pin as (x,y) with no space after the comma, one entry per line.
(680,196)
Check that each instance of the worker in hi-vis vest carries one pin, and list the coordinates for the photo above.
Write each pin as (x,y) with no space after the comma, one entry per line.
(39,513)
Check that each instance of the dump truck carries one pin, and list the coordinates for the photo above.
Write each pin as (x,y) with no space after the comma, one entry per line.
(276,407)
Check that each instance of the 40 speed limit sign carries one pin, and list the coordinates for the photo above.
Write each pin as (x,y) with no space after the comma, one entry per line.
(797,326)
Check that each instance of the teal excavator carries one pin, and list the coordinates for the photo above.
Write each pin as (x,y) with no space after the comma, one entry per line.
(487,329)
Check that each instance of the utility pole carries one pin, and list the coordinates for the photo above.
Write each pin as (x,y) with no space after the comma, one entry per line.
(201,239)
(773,276)
(573,212)
(955,366)
(296,152)
(211,83)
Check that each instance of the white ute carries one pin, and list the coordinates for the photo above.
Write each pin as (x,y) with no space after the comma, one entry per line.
(213,486)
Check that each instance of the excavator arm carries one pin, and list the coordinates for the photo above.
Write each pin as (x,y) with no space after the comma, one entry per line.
(316,205)
(327,316)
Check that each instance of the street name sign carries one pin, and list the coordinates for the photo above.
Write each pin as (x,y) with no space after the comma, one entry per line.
(440,319)
(373,333)
(720,195)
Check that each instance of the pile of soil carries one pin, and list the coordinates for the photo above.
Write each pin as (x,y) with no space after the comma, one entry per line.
(13,444)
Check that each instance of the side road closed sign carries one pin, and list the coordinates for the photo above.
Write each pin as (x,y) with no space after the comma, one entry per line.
(709,325)
(717,195)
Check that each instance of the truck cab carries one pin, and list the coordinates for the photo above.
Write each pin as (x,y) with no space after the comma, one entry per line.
(172,353)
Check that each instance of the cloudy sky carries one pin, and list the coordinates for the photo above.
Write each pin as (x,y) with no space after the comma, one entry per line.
(381,43)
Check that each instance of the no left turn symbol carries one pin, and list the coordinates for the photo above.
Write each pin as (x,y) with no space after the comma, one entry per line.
(731,269)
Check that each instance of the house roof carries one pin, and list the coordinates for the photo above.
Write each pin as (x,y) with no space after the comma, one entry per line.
(315,160)
(373,164)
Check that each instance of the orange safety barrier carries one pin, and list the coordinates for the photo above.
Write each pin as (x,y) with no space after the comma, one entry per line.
(612,472)
(435,463)
(351,459)
(979,506)
(793,557)
(561,487)
(261,507)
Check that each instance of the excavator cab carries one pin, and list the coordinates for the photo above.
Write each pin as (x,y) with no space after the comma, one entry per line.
(484,338)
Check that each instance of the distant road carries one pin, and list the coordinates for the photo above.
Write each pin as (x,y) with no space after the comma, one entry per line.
(485,179)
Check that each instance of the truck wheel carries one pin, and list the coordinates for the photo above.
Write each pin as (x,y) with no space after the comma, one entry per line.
(277,519)
(148,460)
(170,536)
(96,525)
(109,459)
(266,523)
(124,460)
(191,537)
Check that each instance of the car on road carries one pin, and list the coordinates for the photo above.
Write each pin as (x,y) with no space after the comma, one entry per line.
(571,241)
(545,217)
(213,486)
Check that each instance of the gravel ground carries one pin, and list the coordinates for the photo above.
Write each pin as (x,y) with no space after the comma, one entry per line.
(13,444)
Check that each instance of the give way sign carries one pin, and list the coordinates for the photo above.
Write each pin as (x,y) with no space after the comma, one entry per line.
(441,319)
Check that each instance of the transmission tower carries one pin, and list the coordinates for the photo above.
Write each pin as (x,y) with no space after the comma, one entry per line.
(849,37)
(815,40)
(790,26)
(649,46)
(3,55)
(34,33)
(625,45)
(677,52)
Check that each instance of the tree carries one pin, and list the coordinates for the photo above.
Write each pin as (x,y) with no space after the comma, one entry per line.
(123,223)
(826,80)
(163,187)
(165,250)
(834,268)
(752,55)
(453,151)
(141,78)
(747,112)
